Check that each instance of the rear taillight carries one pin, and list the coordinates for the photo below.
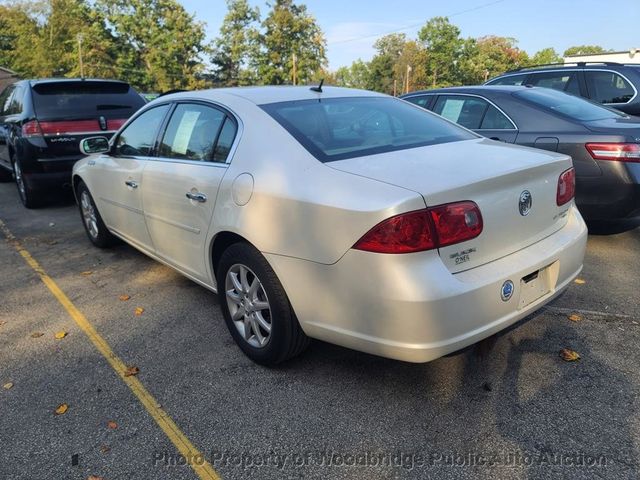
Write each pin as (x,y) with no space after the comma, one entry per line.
(622,152)
(566,186)
(424,229)
(70,126)
(115,123)
(31,129)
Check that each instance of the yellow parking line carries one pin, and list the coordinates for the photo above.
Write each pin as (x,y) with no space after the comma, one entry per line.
(203,469)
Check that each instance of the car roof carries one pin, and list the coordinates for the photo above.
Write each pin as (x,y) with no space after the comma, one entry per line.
(274,94)
(39,81)
(472,89)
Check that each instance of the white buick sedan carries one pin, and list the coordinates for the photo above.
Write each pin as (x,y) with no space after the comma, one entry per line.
(342,215)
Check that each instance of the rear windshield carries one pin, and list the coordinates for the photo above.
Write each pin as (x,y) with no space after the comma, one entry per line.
(339,128)
(567,105)
(85,99)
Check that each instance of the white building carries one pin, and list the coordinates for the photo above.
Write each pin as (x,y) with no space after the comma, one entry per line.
(627,56)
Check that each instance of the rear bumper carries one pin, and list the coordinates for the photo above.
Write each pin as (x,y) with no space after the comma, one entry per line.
(410,307)
(48,180)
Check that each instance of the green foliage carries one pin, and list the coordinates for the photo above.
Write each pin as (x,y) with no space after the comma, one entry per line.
(236,45)
(546,56)
(357,75)
(444,48)
(584,50)
(290,35)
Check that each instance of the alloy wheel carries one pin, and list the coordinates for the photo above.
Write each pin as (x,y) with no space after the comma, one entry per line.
(89,214)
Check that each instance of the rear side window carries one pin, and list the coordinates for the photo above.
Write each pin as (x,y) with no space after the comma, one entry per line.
(509,80)
(567,105)
(465,111)
(85,99)
(339,128)
(608,87)
(138,138)
(5,99)
(197,132)
(563,81)
(494,119)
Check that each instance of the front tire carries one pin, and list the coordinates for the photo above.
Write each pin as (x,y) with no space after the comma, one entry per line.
(96,230)
(256,308)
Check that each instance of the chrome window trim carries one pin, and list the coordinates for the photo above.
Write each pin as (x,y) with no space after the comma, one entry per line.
(574,69)
(515,127)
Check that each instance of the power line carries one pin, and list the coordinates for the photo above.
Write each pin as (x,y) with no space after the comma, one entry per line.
(415,25)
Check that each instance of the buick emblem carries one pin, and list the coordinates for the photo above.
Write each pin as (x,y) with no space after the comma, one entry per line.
(506,291)
(525,202)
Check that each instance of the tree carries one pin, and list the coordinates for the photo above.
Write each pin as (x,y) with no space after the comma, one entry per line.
(546,56)
(383,64)
(444,49)
(160,44)
(293,47)
(357,75)
(236,44)
(493,56)
(583,50)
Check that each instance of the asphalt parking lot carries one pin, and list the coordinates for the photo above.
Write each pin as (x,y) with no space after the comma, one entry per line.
(510,408)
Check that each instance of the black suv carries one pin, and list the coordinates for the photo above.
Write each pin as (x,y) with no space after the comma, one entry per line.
(43,121)
(612,84)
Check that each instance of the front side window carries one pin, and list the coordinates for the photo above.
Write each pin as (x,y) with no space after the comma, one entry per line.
(421,100)
(199,133)
(509,80)
(569,106)
(563,81)
(608,87)
(339,128)
(138,138)
(465,111)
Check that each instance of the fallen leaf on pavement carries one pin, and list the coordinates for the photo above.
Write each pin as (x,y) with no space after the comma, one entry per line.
(569,355)
(8,385)
(574,317)
(133,370)
(62,409)
(2,322)
(94,477)
(88,272)
(124,298)
(105,448)
(579,281)
(60,335)
(112,425)
(138,311)
(36,334)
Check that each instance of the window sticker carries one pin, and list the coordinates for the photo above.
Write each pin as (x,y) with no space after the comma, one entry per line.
(184,132)
(452,109)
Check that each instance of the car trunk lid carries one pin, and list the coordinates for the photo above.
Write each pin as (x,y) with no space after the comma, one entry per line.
(496,177)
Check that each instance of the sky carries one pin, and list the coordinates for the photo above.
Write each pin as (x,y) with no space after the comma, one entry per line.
(536,24)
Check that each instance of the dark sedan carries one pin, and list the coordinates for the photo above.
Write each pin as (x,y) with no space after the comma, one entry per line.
(604,143)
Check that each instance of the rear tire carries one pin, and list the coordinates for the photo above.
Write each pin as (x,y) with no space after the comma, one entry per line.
(256,308)
(28,196)
(96,230)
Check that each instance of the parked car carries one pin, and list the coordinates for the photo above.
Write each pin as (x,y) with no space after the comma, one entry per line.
(43,121)
(343,215)
(612,84)
(604,143)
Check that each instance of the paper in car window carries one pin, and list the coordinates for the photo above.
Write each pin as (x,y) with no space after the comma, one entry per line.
(184,131)
(451,110)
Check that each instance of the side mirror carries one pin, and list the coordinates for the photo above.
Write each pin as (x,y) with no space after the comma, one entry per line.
(94,145)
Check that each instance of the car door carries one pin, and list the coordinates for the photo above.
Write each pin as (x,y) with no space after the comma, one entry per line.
(116,181)
(181,184)
(478,114)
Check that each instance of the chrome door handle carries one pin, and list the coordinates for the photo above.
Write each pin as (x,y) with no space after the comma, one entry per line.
(197,197)
(131,183)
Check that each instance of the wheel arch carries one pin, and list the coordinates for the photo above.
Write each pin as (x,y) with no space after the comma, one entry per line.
(219,243)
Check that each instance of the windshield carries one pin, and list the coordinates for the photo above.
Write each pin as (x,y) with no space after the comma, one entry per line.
(85,99)
(573,107)
(339,128)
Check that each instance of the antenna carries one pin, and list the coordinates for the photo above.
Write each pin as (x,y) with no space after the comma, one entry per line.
(319,87)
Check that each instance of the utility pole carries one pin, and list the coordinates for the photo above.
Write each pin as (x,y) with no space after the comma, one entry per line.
(395,87)
(295,73)
(80,55)
(409,69)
